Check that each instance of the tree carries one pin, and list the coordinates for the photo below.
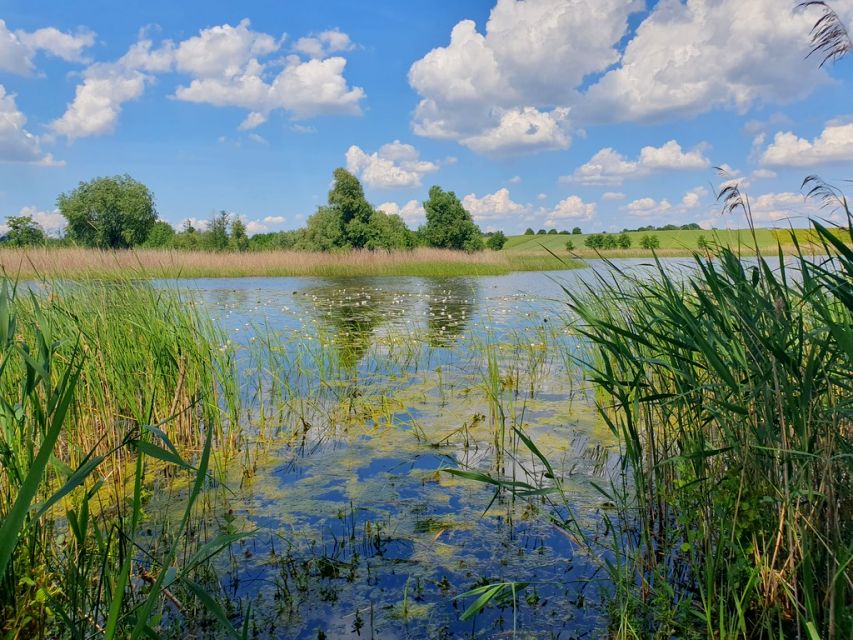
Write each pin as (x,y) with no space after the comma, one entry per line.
(239,238)
(576,231)
(702,242)
(216,237)
(529,232)
(162,234)
(496,241)
(594,241)
(552,232)
(448,224)
(649,242)
(23,232)
(109,213)
(570,246)
(609,241)
(541,232)
(624,241)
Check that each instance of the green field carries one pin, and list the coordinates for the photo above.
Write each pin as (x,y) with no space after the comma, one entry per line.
(671,240)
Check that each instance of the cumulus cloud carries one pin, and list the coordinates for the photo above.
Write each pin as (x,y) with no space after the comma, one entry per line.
(395,165)
(612,195)
(689,57)
(493,205)
(18,48)
(645,207)
(321,45)
(521,131)
(227,68)
(225,62)
(693,198)
(487,89)
(833,145)
(609,167)
(52,222)
(99,99)
(685,57)
(412,212)
(16,143)
(572,208)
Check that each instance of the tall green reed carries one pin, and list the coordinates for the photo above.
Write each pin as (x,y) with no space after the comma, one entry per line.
(730,391)
(97,383)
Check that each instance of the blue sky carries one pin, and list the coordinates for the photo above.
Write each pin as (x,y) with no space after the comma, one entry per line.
(598,113)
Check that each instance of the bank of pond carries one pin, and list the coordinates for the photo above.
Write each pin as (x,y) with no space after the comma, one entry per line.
(634,448)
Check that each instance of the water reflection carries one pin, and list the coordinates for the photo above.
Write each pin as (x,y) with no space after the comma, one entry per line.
(450,305)
(351,314)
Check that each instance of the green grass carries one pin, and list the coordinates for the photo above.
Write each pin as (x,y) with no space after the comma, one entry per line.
(99,386)
(681,241)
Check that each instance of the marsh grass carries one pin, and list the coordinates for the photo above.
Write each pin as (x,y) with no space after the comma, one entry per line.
(79,263)
(730,391)
(102,387)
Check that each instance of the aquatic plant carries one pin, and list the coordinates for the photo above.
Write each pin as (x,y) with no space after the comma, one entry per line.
(729,388)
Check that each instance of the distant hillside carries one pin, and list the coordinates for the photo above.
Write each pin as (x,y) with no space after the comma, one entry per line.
(669,240)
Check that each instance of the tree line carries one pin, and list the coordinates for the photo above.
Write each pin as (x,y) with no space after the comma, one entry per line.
(119,213)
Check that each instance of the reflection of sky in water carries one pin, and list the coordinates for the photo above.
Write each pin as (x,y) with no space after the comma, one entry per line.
(354,511)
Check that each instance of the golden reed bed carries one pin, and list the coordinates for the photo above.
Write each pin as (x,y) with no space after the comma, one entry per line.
(147,263)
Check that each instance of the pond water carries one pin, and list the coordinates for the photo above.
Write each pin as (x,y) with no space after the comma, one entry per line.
(361,395)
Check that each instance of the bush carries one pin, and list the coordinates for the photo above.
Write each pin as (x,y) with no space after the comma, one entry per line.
(649,242)
(496,241)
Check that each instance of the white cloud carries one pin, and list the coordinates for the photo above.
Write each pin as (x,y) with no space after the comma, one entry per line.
(98,100)
(690,57)
(223,51)
(16,143)
(254,137)
(321,45)
(783,207)
(833,145)
(612,195)
(274,220)
(52,222)
(224,63)
(18,48)
(571,208)
(542,196)
(254,119)
(521,131)
(645,207)
(760,174)
(226,68)
(487,89)
(394,165)
(412,212)
(693,198)
(493,205)
(609,167)
(515,180)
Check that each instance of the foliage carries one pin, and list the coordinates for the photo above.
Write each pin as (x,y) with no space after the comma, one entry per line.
(570,246)
(23,232)
(448,224)
(239,241)
(109,213)
(529,232)
(496,241)
(552,232)
(624,241)
(162,235)
(576,231)
(730,394)
(649,242)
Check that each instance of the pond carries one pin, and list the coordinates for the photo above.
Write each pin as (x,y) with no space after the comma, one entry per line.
(362,395)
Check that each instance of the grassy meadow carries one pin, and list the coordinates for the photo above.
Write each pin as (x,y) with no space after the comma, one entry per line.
(36,263)
(672,243)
